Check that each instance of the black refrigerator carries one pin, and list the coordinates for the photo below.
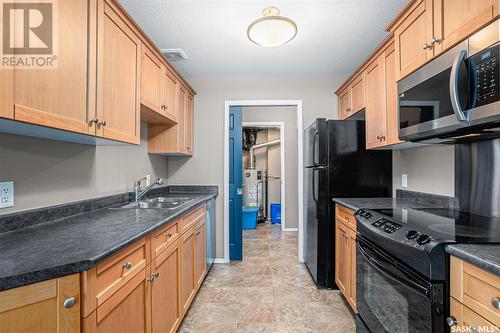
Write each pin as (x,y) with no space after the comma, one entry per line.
(337,165)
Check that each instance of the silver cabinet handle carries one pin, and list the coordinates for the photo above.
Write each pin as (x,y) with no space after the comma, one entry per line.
(102,122)
(127,265)
(426,46)
(455,100)
(95,120)
(495,301)
(473,328)
(156,275)
(348,109)
(69,302)
(169,234)
(451,321)
(151,279)
(435,40)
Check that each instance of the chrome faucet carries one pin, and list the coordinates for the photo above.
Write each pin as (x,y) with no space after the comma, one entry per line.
(138,193)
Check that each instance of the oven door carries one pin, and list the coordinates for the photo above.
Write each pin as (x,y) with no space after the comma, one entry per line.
(390,297)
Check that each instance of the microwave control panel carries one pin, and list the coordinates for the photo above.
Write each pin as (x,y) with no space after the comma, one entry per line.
(487,70)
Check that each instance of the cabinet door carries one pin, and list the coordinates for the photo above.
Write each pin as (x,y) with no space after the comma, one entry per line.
(188,124)
(188,282)
(391,95)
(351,299)
(344,104)
(126,311)
(181,120)
(151,80)
(40,307)
(200,247)
(413,39)
(57,97)
(455,20)
(342,254)
(169,93)
(7,93)
(375,104)
(165,291)
(118,75)
(357,94)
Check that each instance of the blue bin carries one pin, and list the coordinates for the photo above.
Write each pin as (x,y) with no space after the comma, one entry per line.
(276,213)
(249,217)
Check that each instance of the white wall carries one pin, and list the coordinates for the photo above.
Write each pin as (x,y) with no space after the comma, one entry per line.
(430,169)
(49,172)
(207,164)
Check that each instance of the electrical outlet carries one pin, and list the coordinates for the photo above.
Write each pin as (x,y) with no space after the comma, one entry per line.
(404,180)
(6,194)
(148,180)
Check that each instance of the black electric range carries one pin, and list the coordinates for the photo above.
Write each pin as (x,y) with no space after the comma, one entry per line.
(402,270)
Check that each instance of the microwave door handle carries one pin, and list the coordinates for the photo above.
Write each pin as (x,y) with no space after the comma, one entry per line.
(454,77)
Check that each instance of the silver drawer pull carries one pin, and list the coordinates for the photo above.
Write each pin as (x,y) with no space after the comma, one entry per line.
(451,321)
(127,265)
(169,234)
(69,302)
(495,301)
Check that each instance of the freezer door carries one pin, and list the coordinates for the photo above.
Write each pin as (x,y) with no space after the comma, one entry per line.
(316,144)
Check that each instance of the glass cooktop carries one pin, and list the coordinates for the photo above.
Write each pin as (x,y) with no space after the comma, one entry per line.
(448,225)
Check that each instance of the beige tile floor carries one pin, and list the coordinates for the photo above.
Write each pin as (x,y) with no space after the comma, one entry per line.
(269,291)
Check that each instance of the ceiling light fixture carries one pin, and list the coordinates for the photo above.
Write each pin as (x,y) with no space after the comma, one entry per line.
(272,30)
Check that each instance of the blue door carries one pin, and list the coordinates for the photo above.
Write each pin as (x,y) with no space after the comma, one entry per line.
(235,186)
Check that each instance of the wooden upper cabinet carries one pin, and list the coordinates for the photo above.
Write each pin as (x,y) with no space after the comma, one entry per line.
(56,97)
(375,113)
(40,307)
(391,95)
(165,291)
(151,80)
(169,93)
(413,38)
(357,94)
(188,124)
(118,75)
(456,19)
(344,103)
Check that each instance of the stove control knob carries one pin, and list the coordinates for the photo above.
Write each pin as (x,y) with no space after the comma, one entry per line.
(423,239)
(368,215)
(411,234)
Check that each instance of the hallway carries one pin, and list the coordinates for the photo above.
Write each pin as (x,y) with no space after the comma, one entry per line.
(269,291)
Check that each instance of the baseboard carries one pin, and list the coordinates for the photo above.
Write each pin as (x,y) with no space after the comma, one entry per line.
(219,261)
(290,229)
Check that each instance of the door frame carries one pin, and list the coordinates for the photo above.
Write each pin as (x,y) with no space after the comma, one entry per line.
(281,126)
(300,165)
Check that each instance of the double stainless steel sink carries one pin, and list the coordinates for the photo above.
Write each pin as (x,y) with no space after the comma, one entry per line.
(157,203)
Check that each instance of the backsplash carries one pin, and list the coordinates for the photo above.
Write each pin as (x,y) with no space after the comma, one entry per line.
(428,199)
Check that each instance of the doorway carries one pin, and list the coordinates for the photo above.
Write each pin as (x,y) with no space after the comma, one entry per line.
(232,231)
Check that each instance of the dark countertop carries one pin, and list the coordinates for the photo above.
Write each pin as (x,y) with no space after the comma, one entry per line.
(486,256)
(77,243)
(378,203)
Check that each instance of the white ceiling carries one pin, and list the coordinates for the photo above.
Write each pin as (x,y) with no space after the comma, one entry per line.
(334,35)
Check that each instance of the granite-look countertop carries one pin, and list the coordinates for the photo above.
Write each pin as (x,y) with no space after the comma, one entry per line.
(378,203)
(486,256)
(77,243)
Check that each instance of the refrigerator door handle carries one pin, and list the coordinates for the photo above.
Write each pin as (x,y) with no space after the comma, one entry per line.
(314,185)
(316,134)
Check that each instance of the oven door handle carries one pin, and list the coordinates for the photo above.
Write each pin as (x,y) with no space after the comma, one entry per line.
(454,77)
(394,274)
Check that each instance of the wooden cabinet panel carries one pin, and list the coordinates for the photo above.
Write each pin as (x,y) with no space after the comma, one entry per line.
(375,104)
(342,262)
(454,20)
(163,238)
(169,93)
(58,97)
(6,93)
(126,311)
(411,37)
(39,307)
(344,104)
(351,299)
(188,124)
(346,216)
(165,291)
(188,282)
(200,252)
(357,94)
(151,80)
(391,96)
(118,76)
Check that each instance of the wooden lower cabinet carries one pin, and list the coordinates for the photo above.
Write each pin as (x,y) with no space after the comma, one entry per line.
(165,290)
(200,248)
(188,280)
(345,257)
(39,307)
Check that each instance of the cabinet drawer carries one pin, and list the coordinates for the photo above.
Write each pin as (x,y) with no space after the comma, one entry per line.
(476,289)
(476,322)
(163,238)
(192,218)
(346,216)
(113,273)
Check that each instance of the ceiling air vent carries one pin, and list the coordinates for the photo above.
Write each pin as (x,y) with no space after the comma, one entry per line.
(174,54)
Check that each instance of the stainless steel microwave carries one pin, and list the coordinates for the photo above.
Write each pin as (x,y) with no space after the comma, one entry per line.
(455,97)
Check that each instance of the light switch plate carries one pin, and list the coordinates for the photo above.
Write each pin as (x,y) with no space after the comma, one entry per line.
(404,180)
(148,180)
(6,194)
